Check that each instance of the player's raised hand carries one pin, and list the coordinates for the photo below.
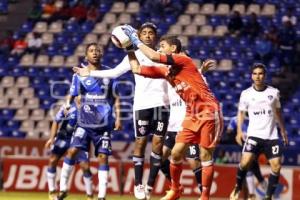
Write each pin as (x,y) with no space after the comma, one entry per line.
(49,143)
(207,64)
(81,71)
(132,34)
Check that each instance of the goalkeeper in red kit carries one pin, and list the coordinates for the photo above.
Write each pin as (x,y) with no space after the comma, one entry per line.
(203,123)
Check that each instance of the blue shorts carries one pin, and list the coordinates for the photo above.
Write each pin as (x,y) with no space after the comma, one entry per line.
(99,137)
(62,144)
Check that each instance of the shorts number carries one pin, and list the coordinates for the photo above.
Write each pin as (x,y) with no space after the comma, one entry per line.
(160,126)
(192,150)
(275,149)
(105,144)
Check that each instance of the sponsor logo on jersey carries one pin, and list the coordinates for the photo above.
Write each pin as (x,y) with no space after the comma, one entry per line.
(143,122)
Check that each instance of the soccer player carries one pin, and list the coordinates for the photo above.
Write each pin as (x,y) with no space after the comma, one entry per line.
(61,133)
(263,106)
(151,110)
(95,121)
(203,120)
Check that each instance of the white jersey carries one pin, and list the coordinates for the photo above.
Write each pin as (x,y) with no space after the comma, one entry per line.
(261,106)
(149,93)
(177,110)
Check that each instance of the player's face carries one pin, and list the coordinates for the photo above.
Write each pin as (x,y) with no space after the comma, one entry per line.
(258,76)
(93,55)
(166,48)
(147,36)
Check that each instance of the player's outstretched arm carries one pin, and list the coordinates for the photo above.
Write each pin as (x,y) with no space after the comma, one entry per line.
(118,123)
(134,63)
(281,126)
(110,73)
(132,34)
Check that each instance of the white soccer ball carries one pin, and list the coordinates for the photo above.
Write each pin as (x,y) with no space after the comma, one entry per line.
(119,38)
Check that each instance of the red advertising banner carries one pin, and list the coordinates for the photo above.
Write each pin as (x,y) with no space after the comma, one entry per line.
(30,175)
(296,184)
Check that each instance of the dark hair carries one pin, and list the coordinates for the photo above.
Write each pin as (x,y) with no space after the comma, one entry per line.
(89,45)
(260,66)
(148,25)
(172,40)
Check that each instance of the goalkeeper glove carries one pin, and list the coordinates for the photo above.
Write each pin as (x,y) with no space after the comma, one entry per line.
(132,34)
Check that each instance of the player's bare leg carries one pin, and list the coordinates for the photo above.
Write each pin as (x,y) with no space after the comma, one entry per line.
(138,160)
(177,154)
(246,160)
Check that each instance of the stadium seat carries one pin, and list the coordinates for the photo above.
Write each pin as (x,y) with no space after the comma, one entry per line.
(90,38)
(190,30)
(124,18)
(32,103)
(223,9)
(47,38)
(268,10)
(207,9)
(22,82)
(7,113)
(253,8)
(86,27)
(104,39)
(206,31)
(27,93)
(80,50)
(71,61)
(27,125)
(199,20)
(118,7)
(16,103)
(42,60)
(220,31)
(175,30)
(184,40)
(3,102)
(240,8)
(40,27)
(192,8)
(43,128)
(100,28)
(37,114)
(7,81)
(57,61)
(12,92)
(225,64)
(55,27)
(184,20)
(133,7)
(22,114)
(110,18)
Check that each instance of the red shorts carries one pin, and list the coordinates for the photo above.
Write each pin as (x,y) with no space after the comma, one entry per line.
(205,131)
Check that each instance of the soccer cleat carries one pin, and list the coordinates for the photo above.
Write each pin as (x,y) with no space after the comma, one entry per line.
(267,198)
(173,194)
(251,197)
(52,195)
(139,192)
(89,197)
(234,195)
(62,195)
(148,190)
(101,198)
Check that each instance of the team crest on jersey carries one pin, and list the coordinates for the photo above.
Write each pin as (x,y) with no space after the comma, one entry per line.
(270,97)
(105,81)
(88,82)
(248,147)
(142,130)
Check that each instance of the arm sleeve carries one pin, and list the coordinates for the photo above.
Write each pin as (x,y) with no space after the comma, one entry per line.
(75,86)
(243,104)
(59,115)
(120,69)
(154,72)
(176,60)
(277,100)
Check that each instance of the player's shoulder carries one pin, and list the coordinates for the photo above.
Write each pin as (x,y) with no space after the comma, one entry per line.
(272,89)
(247,91)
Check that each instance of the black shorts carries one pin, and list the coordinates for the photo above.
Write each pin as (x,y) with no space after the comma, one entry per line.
(271,148)
(192,152)
(152,120)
